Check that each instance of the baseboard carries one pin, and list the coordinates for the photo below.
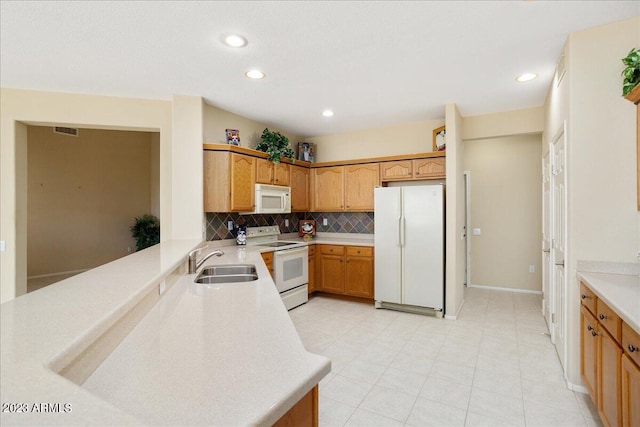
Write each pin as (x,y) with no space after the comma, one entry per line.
(497,288)
(455,316)
(575,387)
(62,273)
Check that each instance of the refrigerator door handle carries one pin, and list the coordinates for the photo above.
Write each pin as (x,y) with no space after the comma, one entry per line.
(402,229)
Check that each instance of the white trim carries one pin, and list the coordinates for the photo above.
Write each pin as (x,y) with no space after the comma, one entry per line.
(62,273)
(575,387)
(467,203)
(455,317)
(498,288)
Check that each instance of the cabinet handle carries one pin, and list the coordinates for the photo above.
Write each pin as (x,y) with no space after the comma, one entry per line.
(589,328)
(340,260)
(584,296)
(632,348)
(593,333)
(602,317)
(348,260)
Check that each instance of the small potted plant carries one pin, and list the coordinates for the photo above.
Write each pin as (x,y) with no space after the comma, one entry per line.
(275,145)
(146,231)
(631,73)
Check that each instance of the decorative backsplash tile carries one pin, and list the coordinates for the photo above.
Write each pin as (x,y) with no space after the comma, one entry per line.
(338,222)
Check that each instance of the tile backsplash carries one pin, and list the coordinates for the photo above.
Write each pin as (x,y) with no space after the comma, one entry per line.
(337,222)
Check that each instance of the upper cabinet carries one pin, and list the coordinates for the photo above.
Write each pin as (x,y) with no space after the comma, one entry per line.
(360,180)
(327,189)
(229,182)
(268,172)
(426,168)
(344,188)
(299,181)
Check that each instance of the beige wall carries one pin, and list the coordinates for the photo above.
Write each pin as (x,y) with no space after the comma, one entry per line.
(217,120)
(506,202)
(517,122)
(455,215)
(83,195)
(414,137)
(84,111)
(601,165)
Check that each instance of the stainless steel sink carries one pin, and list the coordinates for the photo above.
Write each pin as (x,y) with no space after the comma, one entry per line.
(229,278)
(228,274)
(224,270)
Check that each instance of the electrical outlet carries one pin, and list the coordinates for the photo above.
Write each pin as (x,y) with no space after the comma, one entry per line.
(162,287)
(3,245)
(286,222)
(230,225)
(325,221)
(532,269)
(129,249)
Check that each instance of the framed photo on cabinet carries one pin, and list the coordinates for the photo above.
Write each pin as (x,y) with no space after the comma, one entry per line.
(440,139)
(233,136)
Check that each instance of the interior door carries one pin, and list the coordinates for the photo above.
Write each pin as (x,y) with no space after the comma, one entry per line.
(559,241)
(547,212)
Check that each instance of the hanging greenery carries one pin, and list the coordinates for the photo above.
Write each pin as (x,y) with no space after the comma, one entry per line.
(146,231)
(275,145)
(631,73)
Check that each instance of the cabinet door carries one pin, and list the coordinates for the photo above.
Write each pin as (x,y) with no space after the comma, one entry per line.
(588,351)
(216,181)
(267,257)
(395,171)
(609,360)
(243,179)
(431,168)
(630,393)
(312,269)
(360,180)
(299,189)
(331,266)
(264,171)
(328,189)
(281,174)
(359,272)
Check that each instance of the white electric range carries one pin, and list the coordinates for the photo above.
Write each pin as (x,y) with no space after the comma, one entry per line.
(290,263)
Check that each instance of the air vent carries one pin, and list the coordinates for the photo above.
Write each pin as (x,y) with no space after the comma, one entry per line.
(560,70)
(65,131)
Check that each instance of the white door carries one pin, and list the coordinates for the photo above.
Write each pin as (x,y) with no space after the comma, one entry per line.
(547,266)
(559,240)
(423,254)
(388,267)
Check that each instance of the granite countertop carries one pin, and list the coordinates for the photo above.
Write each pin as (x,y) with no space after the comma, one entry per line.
(619,291)
(224,354)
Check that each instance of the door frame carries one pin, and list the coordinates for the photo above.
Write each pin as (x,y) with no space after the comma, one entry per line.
(467,231)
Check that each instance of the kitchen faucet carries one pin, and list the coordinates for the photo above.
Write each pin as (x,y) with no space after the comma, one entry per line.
(194,265)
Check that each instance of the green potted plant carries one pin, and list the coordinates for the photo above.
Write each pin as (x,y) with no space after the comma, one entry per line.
(631,73)
(275,145)
(146,231)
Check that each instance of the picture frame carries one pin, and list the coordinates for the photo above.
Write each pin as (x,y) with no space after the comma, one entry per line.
(307,228)
(233,137)
(440,139)
(306,152)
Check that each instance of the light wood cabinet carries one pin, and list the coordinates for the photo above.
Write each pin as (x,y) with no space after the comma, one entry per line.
(609,361)
(299,181)
(360,180)
(229,182)
(328,189)
(312,269)
(403,170)
(345,270)
(630,393)
(331,268)
(268,172)
(303,414)
(359,271)
(267,257)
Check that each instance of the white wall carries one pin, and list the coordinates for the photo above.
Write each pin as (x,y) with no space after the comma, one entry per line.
(506,204)
(48,108)
(516,122)
(602,213)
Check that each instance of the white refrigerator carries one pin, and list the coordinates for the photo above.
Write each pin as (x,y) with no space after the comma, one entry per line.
(409,244)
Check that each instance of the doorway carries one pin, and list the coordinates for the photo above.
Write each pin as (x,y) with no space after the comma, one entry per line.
(84,189)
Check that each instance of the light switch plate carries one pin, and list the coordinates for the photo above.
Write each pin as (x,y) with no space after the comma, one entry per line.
(325,221)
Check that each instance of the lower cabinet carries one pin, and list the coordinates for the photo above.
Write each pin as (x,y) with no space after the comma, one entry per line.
(267,257)
(312,269)
(303,414)
(589,352)
(609,402)
(630,392)
(345,270)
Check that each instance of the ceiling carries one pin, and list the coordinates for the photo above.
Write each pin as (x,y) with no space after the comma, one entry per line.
(373,63)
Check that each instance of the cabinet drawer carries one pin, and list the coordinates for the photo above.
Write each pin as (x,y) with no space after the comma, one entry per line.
(609,319)
(587,297)
(631,343)
(312,250)
(331,249)
(359,251)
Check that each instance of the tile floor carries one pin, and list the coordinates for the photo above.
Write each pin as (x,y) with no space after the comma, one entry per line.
(494,366)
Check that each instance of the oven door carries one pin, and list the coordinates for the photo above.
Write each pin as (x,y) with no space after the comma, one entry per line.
(291,268)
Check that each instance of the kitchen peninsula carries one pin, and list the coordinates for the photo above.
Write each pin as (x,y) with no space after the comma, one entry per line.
(137,342)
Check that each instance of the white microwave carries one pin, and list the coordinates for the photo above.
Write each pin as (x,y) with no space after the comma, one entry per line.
(272,199)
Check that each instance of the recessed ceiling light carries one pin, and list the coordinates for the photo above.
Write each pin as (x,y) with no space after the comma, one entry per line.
(526,77)
(254,74)
(327,113)
(234,40)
